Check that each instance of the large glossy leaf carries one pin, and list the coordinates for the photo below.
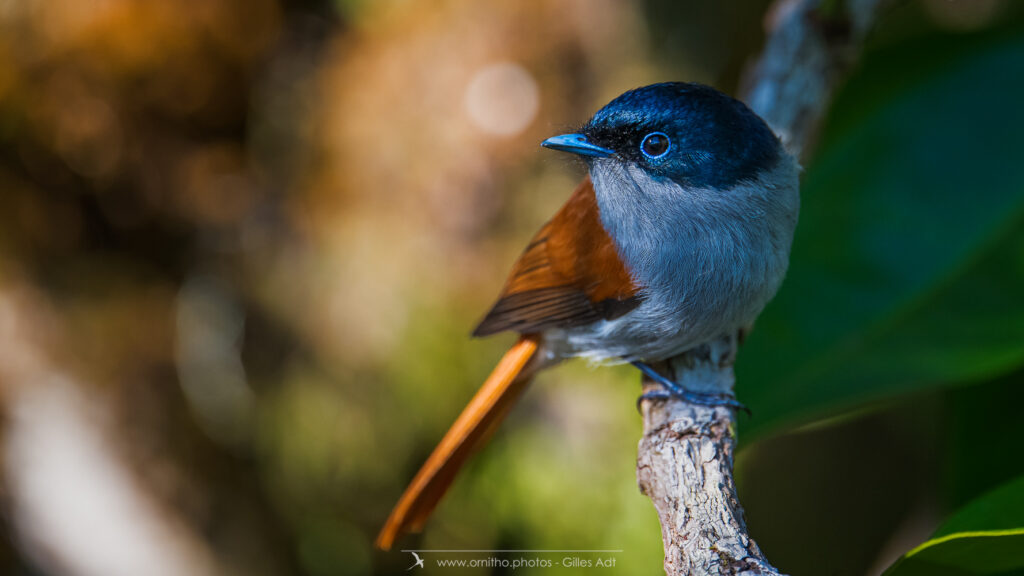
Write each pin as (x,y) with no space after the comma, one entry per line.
(1001,509)
(963,553)
(983,433)
(984,537)
(908,265)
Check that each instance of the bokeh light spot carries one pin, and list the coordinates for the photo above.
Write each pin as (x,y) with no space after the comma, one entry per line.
(502,99)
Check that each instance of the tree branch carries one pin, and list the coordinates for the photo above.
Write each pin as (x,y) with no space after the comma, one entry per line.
(808,50)
(685,467)
(685,459)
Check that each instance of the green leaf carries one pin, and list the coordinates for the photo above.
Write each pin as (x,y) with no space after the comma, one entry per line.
(987,552)
(984,537)
(1000,509)
(908,264)
(982,429)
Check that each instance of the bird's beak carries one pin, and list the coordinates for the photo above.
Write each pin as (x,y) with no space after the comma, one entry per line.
(577,144)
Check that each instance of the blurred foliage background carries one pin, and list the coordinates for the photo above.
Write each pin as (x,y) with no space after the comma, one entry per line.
(243,242)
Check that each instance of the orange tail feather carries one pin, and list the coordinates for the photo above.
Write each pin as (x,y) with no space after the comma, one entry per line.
(478,420)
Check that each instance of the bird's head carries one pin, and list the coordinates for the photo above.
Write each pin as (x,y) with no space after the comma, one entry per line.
(690,183)
(689,133)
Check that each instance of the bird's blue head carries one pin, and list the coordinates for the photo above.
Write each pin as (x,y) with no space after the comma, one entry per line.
(689,133)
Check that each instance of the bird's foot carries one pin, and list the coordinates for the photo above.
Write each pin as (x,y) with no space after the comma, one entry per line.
(672,390)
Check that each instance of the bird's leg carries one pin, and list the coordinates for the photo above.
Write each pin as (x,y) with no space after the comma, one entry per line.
(671,389)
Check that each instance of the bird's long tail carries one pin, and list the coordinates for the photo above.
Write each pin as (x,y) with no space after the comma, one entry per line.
(472,428)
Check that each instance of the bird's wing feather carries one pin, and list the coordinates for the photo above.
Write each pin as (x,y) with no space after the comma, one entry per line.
(569,275)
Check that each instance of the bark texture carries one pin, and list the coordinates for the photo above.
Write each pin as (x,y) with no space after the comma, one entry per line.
(685,467)
(685,460)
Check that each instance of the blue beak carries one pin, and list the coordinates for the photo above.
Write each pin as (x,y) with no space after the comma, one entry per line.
(577,144)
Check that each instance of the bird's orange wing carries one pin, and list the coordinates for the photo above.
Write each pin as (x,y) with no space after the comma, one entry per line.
(569,275)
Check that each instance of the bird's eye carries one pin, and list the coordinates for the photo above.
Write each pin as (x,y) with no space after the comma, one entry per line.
(655,145)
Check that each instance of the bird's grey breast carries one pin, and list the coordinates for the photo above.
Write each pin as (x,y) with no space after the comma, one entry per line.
(707,261)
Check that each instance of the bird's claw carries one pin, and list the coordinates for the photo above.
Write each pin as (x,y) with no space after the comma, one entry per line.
(672,390)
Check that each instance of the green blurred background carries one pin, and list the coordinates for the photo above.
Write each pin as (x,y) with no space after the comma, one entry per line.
(243,243)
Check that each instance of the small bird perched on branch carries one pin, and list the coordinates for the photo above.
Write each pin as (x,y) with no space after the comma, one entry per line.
(679,234)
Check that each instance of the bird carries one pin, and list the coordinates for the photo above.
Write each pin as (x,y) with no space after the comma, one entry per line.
(679,234)
(419,561)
